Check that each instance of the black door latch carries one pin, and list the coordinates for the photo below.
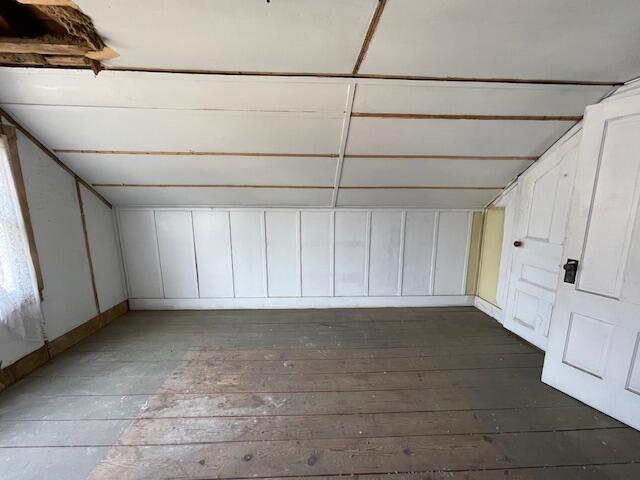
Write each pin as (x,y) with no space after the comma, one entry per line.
(570,270)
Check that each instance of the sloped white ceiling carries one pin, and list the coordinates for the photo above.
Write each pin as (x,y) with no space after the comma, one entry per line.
(185,139)
(322,103)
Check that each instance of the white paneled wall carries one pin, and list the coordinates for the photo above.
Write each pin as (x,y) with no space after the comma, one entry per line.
(206,258)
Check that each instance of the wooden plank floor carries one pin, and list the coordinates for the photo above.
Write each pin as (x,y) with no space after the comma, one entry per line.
(315,394)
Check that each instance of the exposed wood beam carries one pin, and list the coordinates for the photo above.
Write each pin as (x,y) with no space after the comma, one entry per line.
(507,80)
(50,3)
(195,153)
(50,154)
(29,45)
(298,187)
(413,187)
(437,116)
(18,180)
(369,35)
(439,157)
(390,156)
(87,246)
(6,27)
(208,185)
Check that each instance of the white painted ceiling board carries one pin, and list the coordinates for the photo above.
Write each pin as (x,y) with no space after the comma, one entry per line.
(179,130)
(452,137)
(423,198)
(587,40)
(205,169)
(465,98)
(243,197)
(431,172)
(242,35)
(169,90)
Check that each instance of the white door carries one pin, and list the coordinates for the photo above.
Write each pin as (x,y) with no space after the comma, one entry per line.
(594,344)
(545,194)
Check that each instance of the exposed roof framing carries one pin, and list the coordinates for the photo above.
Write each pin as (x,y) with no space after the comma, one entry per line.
(49,33)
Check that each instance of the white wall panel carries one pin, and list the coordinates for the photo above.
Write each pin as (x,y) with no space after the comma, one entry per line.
(451,253)
(213,253)
(277,254)
(177,255)
(105,250)
(385,250)
(316,230)
(419,244)
(283,255)
(351,252)
(57,226)
(141,259)
(248,245)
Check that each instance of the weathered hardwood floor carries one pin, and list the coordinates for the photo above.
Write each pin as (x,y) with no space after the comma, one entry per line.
(315,394)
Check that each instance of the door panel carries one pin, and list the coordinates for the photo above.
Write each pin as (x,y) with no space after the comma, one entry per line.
(595,332)
(545,194)
(613,211)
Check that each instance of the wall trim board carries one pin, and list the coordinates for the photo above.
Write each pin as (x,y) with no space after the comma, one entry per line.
(87,246)
(299,302)
(440,116)
(373,25)
(335,76)
(23,367)
(197,153)
(69,339)
(18,181)
(34,360)
(488,308)
(51,155)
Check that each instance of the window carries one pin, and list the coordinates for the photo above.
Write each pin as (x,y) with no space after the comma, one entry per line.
(19,298)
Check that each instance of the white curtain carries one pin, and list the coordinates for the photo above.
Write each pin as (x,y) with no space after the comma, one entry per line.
(19,299)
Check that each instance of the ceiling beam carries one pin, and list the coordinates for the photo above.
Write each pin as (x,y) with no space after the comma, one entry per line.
(197,153)
(439,157)
(348,76)
(437,116)
(50,3)
(42,47)
(373,25)
(297,187)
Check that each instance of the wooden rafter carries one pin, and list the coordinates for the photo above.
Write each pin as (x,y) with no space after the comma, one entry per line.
(369,35)
(41,47)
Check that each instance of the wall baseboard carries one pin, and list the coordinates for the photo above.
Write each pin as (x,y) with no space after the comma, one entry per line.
(34,360)
(299,302)
(69,339)
(488,308)
(23,367)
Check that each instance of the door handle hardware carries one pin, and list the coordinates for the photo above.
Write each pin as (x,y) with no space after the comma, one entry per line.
(517,243)
(570,270)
